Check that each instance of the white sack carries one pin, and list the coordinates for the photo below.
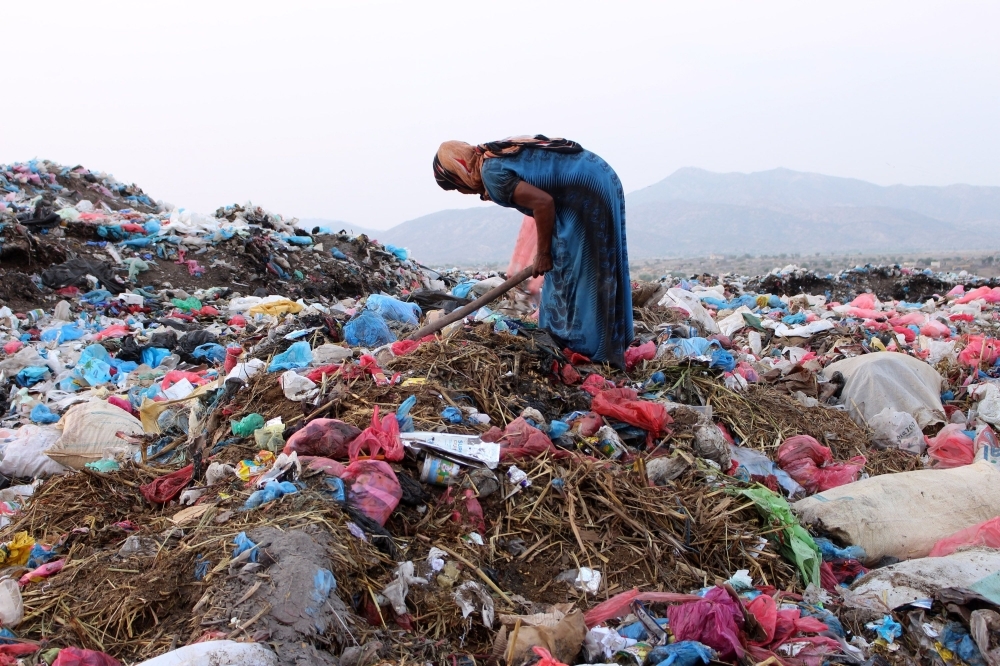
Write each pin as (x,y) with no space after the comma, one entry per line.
(889,379)
(25,457)
(229,653)
(90,431)
(903,515)
(897,430)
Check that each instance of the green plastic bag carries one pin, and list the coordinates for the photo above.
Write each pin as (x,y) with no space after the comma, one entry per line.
(245,426)
(793,542)
(187,304)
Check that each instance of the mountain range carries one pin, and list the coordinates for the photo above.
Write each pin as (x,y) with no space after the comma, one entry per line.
(694,212)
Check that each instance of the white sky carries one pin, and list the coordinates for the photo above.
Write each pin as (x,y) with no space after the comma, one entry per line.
(334,110)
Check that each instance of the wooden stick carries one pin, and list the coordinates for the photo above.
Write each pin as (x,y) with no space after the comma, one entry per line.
(465,310)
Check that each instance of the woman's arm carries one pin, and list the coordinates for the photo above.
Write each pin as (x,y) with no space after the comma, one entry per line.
(543,209)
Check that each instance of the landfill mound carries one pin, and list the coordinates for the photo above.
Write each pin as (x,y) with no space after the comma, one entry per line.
(221,443)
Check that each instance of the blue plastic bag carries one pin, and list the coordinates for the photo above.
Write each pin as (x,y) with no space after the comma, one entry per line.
(452,414)
(887,629)
(368,330)
(794,319)
(403,417)
(31,376)
(243,544)
(336,489)
(392,309)
(401,252)
(271,491)
(722,360)
(957,639)
(215,353)
(64,333)
(153,356)
(96,296)
(462,289)
(831,552)
(337,254)
(681,653)
(299,355)
(42,414)
(557,429)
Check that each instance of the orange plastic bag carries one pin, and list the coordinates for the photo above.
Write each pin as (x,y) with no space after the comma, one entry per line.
(524,253)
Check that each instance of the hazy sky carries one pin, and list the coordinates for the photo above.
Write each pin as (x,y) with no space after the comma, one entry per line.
(335,110)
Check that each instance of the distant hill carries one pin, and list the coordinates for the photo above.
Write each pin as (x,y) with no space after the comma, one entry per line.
(694,212)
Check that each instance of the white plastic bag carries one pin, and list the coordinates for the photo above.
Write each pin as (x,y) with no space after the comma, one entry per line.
(297,387)
(897,430)
(988,408)
(11,606)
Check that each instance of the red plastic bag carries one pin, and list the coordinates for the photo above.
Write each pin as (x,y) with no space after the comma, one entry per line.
(634,355)
(404,347)
(979,350)
(950,448)
(379,437)
(374,490)
(524,254)
(811,464)
(72,656)
(595,383)
(116,331)
(984,534)
(175,376)
(166,488)
(545,657)
(623,405)
(716,620)
(521,440)
(328,438)
(765,611)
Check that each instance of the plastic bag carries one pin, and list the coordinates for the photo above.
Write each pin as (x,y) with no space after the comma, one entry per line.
(11,605)
(72,656)
(327,438)
(297,356)
(525,249)
(368,329)
(245,426)
(979,351)
(897,430)
(271,491)
(623,404)
(759,465)
(379,436)
(392,309)
(164,489)
(216,652)
(374,489)
(42,414)
(950,448)
(296,387)
(521,440)
(811,464)
(635,355)
(715,621)
(681,653)
(794,542)
(984,534)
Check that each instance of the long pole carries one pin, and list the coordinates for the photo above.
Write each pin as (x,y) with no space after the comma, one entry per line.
(465,310)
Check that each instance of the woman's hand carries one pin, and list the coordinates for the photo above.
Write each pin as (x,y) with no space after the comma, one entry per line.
(543,263)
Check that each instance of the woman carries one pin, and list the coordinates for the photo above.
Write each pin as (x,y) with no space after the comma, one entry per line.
(579,209)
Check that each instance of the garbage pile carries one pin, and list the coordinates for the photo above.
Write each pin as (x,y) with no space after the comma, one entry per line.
(200,472)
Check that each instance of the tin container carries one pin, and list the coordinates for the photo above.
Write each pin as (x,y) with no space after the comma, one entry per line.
(439,471)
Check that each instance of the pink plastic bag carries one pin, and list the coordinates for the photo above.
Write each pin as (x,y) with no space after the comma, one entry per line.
(623,404)
(374,490)
(521,440)
(323,465)
(634,355)
(595,383)
(524,253)
(866,301)
(979,350)
(984,534)
(950,448)
(935,329)
(328,438)
(42,572)
(811,464)
(981,293)
(715,621)
(379,437)
(911,318)
(116,331)
(620,604)
(72,656)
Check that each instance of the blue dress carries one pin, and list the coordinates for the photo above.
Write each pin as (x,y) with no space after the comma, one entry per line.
(587,297)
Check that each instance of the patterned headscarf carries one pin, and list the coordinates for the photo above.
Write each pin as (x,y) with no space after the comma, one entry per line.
(459,164)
